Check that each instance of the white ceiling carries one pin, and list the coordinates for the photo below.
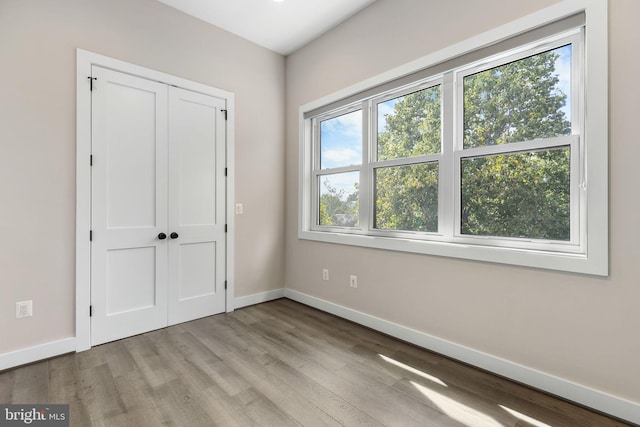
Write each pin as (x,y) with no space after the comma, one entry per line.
(280,26)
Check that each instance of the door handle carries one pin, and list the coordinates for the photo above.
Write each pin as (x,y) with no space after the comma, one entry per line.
(174,235)
(162,236)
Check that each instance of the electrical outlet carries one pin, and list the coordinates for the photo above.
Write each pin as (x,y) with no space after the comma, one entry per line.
(353,281)
(24,309)
(325,274)
(239,209)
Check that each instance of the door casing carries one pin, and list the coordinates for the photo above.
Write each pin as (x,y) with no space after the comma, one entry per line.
(85,60)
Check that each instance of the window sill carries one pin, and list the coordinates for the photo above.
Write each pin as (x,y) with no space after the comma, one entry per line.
(561,261)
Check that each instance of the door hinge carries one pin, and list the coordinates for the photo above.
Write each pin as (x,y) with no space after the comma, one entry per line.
(91,235)
(91,79)
(225,114)
(90,311)
(225,284)
(226,171)
(225,228)
(91,160)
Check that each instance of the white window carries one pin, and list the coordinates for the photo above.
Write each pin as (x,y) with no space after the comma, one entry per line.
(517,155)
(484,156)
(405,160)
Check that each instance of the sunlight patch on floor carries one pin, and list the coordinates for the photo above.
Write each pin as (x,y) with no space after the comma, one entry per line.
(456,410)
(412,370)
(524,417)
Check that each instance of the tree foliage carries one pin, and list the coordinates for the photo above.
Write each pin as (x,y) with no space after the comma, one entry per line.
(414,128)
(517,195)
(407,196)
(337,207)
(514,195)
(518,101)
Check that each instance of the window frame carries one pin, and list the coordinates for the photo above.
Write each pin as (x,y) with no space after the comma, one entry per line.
(574,141)
(373,163)
(588,153)
(318,171)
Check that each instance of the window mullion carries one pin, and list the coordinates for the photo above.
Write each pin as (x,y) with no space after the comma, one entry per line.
(576,192)
(447,186)
(341,169)
(315,166)
(315,199)
(366,186)
(579,170)
(515,147)
(404,161)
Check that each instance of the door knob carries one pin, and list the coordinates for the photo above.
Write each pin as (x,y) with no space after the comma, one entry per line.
(162,236)
(173,235)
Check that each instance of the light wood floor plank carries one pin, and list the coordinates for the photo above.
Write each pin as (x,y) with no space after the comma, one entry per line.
(31,383)
(65,387)
(7,387)
(271,387)
(280,364)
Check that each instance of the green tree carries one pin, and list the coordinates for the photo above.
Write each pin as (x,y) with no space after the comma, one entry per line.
(407,196)
(517,195)
(338,208)
(414,128)
(513,195)
(518,101)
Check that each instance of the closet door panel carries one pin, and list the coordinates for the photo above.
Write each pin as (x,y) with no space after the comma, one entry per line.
(129,206)
(197,134)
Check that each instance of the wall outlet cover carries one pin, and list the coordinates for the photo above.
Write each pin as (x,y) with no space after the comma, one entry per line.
(24,309)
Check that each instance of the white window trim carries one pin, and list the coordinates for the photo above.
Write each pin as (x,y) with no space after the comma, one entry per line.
(593,259)
(375,163)
(578,235)
(316,171)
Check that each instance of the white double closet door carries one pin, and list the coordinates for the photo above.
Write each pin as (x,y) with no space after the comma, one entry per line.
(158,205)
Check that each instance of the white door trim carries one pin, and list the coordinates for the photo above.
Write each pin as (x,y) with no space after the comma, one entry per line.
(85,60)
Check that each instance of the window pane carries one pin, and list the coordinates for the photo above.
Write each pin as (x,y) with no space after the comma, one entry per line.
(517,195)
(341,140)
(519,101)
(410,125)
(339,200)
(407,197)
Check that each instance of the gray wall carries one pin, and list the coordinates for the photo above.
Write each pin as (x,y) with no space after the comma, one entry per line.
(579,328)
(38,41)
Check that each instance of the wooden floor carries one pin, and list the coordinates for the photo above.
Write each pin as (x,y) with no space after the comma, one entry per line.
(279,364)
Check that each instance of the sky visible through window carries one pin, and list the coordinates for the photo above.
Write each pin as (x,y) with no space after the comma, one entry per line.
(341,137)
(563,70)
(341,145)
(341,140)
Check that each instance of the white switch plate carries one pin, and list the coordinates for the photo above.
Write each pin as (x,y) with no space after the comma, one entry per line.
(239,209)
(24,309)
(325,274)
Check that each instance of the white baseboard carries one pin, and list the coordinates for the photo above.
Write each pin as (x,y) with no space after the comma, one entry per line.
(36,353)
(580,394)
(68,345)
(247,300)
